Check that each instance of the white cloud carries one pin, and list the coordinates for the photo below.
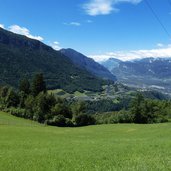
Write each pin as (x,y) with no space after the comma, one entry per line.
(98,7)
(73,24)
(55,45)
(2,26)
(160,44)
(89,21)
(164,52)
(23,31)
(104,7)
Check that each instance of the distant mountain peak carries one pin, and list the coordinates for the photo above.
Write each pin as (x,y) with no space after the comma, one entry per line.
(146,72)
(89,64)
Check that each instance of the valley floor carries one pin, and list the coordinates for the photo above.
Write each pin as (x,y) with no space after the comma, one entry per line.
(26,145)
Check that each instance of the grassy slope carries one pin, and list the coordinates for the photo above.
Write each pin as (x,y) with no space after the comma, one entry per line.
(25,145)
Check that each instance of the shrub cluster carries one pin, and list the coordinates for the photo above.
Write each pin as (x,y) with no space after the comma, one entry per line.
(141,111)
(33,102)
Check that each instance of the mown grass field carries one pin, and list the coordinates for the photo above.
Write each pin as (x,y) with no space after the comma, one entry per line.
(28,146)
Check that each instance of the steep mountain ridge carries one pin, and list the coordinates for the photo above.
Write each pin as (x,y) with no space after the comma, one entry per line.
(23,57)
(89,64)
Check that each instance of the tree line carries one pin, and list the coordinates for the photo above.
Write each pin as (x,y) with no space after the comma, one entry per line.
(32,101)
(141,111)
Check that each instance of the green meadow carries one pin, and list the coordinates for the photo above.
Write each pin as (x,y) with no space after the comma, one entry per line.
(29,146)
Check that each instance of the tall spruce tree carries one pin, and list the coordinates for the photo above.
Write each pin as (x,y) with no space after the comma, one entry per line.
(38,84)
(137,108)
(24,86)
(12,99)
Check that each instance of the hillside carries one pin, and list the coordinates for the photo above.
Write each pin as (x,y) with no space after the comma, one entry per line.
(23,57)
(10,120)
(111,63)
(89,64)
(107,147)
(153,73)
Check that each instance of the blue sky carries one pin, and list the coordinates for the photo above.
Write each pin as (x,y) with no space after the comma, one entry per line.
(125,29)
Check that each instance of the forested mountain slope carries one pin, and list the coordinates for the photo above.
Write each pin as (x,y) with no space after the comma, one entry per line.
(22,57)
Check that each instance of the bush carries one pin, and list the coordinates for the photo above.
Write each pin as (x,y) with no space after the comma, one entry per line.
(125,117)
(12,99)
(61,109)
(58,120)
(114,117)
(84,120)
(147,111)
(69,123)
(18,112)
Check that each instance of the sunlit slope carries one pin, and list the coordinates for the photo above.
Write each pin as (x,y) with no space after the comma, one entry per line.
(9,120)
(104,147)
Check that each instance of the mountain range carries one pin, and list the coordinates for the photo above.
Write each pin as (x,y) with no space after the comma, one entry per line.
(154,73)
(72,71)
(23,57)
(88,64)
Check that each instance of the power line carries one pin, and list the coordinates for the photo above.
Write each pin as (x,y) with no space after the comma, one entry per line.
(157,18)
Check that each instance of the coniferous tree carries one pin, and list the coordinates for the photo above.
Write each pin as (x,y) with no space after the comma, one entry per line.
(22,98)
(40,108)
(12,99)
(24,86)
(29,105)
(38,84)
(3,95)
(136,108)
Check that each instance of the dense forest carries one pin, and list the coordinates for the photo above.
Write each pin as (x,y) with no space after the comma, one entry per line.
(32,101)
(23,57)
